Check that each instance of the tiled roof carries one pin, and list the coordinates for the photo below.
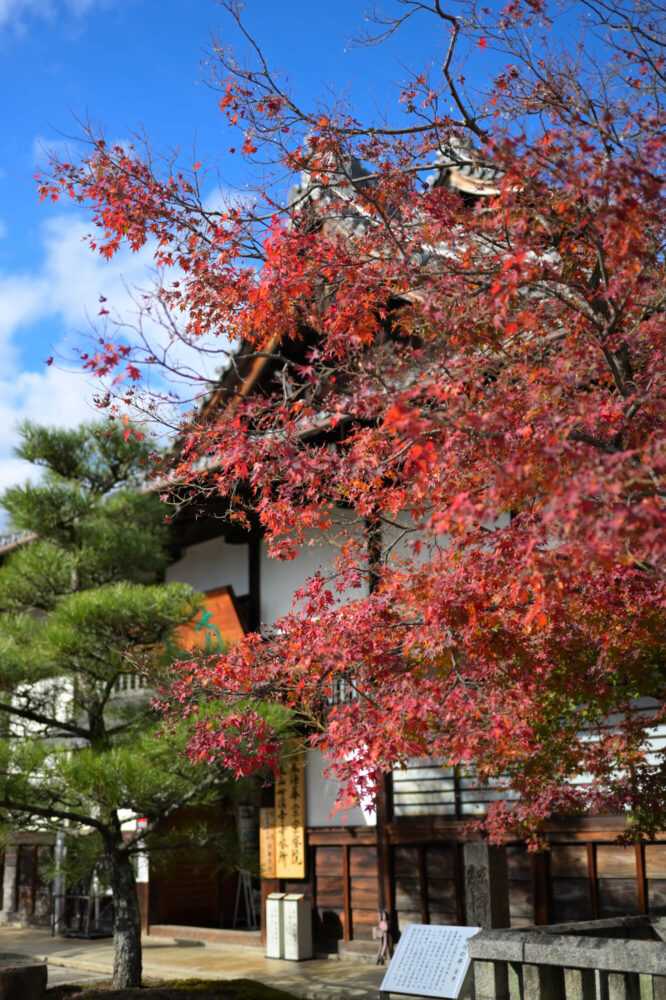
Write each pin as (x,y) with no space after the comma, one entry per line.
(460,167)
(457,166)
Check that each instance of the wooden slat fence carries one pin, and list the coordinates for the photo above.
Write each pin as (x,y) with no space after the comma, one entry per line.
(585,875)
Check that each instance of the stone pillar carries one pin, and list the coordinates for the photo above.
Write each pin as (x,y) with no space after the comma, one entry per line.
(580,984)
(659,987)
(58,885)
(8,911)
(486,885)
(623,986)
(543,982)
(487,906)
(491,981)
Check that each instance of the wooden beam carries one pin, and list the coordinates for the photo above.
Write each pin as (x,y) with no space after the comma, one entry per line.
(423,885)
(346,893)
(641,882)
(254,581)
(592,879)
(33,879)
(459,883)
(424,828)
(334,836)
(540,886)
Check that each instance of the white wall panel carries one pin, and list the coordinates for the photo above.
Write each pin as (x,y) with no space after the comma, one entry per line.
(212,564)
(320,795)
(281,579)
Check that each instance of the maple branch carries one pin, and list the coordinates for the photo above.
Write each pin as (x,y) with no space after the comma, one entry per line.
(618,363)
(596,442)
(468,120)
(266,81)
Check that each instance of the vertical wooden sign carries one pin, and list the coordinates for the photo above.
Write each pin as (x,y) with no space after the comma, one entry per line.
(290,819)
(267,843)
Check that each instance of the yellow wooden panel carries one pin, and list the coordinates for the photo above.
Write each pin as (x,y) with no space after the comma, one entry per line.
(290,819)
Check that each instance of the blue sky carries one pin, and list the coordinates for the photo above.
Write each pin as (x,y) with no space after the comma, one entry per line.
(128,65)
(139,65)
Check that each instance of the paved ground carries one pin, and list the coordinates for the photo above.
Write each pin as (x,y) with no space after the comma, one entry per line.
(75,960)
(59,975)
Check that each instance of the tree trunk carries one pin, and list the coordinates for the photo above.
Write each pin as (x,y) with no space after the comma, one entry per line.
(126,923)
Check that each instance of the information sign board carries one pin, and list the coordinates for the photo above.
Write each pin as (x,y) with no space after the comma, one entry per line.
(429,961)
(290,818)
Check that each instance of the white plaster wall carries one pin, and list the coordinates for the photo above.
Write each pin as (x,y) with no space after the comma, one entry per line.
(281,579)
(216,564)
(52,696)
(320,795)
(212,564)
(398,542)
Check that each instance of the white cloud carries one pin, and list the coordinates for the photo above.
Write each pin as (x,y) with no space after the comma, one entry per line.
(12,12)
(45,149)
(55,397)
(62,292)
(15,13)
(66,282)
(65,286)
(221,199)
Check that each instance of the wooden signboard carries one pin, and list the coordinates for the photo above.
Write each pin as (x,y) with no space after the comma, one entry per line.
(290,819)
(216,624)
(267,842)
(429,961)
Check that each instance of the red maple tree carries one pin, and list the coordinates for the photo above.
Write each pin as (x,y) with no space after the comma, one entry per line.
(470,364)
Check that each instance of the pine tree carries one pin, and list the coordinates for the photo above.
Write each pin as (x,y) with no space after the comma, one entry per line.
(80,607)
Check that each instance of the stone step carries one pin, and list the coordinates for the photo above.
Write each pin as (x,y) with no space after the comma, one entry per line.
(212,935)
(351,951)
